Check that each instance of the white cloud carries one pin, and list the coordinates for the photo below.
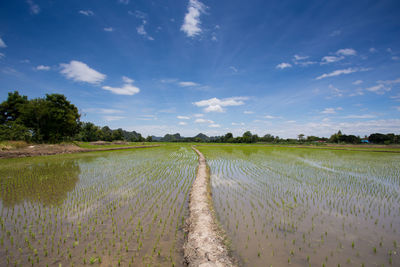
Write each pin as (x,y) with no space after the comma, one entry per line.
(203,121)
(138,14)
(2,43)
(214,125)
(372,50)
(330,59)
(141,31)
(336,92)
(248,112)
(191,23)
(283,65)
(108,29)
(103,110)
(233,68)
(187,84)
(182,123)
(297,57)
(34,8)
(339,72)
(183,117)
(357,82)
(365,116)
(198,115)
(80,72)
(2,55)
(328,111)
(86,12)
(216,105)
(269,117)
(127,89)
(390,81)
(346,52)
(125,2)
(42,67)
(378,88)
(112,118)
(127,79)
(395,58)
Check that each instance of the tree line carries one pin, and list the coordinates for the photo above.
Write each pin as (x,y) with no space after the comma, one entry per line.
(54,119)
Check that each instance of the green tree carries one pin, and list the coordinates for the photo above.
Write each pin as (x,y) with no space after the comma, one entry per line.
(52,119)
(11,109)
(89,132)
(246,137)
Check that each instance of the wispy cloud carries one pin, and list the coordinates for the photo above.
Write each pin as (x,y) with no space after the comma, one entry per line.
(214,125)
(330,59)
(183,117)
(389,82)
(358,82)
(191,23)
(188,84)
(86,12)
(182,123)
(340,72)
(113,118)
(108,29)
(283,65)
(329,111)
(216,105)
(43,67)
(364,116)
(142,31)
(248,112)
(127,89)
(34,8)
(102,110)
(80,72)
(203,121)
(2,43)
(125,2)
(234,69)
(335,33)
(346,52)
(2,55)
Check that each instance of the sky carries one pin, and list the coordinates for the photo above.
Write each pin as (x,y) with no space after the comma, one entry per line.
(189,66)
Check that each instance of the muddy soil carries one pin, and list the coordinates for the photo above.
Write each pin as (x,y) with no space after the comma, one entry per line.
(204,245)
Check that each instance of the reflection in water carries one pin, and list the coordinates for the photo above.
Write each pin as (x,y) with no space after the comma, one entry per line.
(47,182)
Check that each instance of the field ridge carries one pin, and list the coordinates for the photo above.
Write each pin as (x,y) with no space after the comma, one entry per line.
(204,245)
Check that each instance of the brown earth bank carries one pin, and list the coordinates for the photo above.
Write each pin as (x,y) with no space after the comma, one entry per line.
(205,246)
(31,150)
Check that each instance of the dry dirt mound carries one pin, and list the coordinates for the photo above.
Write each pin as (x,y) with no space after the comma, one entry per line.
(204,245)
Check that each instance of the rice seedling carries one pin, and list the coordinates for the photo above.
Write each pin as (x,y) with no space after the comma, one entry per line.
(68,208)
(312,203)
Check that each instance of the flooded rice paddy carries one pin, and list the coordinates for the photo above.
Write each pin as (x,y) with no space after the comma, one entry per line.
(307,207)
(111,208)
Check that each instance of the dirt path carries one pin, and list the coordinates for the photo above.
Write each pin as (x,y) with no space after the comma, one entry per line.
(204,245)
(46,149)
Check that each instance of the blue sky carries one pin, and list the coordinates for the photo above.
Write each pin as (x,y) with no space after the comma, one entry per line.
(157,67)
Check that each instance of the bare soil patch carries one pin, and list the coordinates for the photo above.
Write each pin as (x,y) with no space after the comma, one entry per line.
(204,245)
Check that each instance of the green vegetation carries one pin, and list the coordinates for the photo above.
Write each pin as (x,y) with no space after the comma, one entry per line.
(306,206)
(114,208)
